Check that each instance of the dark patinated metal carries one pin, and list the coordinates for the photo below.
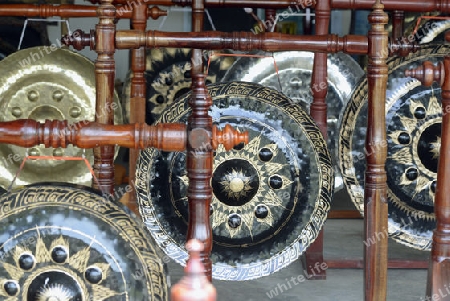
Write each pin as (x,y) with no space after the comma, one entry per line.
(168,76)
(413,123)
(270,197)
(60,242)
(290,73)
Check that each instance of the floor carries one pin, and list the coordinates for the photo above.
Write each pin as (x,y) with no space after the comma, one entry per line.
(343,239)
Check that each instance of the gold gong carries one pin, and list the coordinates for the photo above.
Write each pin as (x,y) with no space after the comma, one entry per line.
(48,83)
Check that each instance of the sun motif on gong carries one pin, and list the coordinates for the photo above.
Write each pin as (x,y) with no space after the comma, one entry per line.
(249,184)
(236,184)
(416,145)
(436,148)
(55,292)
(53,274)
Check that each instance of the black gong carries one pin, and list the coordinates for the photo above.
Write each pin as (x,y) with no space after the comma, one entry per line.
(271,196)
(168,76)
(413,121)
(60,242)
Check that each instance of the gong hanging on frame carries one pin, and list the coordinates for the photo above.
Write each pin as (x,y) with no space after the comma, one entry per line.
(270,197)
(63,242)
(168,76)
(413,122)
(293,78)
(48,83)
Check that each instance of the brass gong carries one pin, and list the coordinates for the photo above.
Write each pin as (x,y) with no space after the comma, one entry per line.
(168,76)
(413,121)
(271,196)
(48,83)
(294,80)
(64,242)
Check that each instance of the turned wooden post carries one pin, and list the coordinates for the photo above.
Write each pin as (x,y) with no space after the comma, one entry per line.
(438,286)
(243,41)
(199,150)
(137,93)
(104,77)
(69,11)
(419,6)
(398,18)
(318,111)
(375,198)
(169,137)
(194,286)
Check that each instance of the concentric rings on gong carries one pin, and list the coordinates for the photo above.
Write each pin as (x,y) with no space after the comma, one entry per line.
(45,83)
(413,121)
(293,78)
(271,196)
(60,242)
(168,76)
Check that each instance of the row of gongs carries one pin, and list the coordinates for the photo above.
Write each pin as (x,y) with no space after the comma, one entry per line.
(270,212)
(271,196)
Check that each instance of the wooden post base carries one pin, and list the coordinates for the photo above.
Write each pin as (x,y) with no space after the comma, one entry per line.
(312,258)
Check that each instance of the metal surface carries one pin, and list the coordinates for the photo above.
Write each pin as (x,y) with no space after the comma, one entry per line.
(294,80)
(168,77)
(270,197)
(413,119)
(433,32)
(60,242)
(47,83)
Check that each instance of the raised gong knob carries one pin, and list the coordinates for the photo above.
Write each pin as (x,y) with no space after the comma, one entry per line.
(194,286)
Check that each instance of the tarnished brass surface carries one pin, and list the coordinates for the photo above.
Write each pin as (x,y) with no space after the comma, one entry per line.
(60,242)
(413,124)
(270,197)
(47,83)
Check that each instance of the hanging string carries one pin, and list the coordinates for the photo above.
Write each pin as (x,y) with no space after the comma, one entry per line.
(244,55)
(40,20)
(250,56)
(62,158)
(416,28)
(210,19)
(161,24)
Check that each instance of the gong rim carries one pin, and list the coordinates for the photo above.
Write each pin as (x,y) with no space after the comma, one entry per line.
(70,242)
(51,84)
(433,34)
(304,203)
(412,114)
(294,69)
(167,76)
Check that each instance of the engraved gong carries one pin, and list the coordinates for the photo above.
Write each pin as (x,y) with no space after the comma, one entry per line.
(294,80)
(413,122)
(64,242)
(168,76)
(432,31)
(48,83)
(270,197)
